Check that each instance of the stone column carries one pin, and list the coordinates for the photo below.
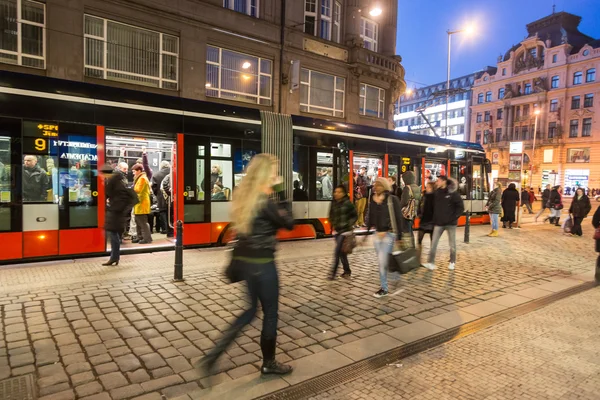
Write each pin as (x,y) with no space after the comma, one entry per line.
(64,42)
(389,25)
(505,112)
(509,132)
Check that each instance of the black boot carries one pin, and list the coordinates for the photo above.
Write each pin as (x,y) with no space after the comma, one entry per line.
(597,276)
(556,220)
(503,224)
(270,365)
(550,220)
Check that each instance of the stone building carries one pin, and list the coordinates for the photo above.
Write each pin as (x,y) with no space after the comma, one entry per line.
(337,60)
(550,77)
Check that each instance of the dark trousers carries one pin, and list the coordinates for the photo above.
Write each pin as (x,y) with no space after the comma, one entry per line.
(339,256)
(142,228)
(407,229)
(163,216)
(422,235)
(263,285)
(152,222)
(576,230)
(115,245)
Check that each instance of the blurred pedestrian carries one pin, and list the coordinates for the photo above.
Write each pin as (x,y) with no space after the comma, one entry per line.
(384,214)
(525,200)
(410,192)
(141,185)
(555,205)
(342,216)
(360,195)
(494,208)
(256,219)
(510,202)
(596,225)
(580,208)
(545,198)
(426,216)
(448,208)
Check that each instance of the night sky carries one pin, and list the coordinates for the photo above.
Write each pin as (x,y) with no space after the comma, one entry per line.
(422,38)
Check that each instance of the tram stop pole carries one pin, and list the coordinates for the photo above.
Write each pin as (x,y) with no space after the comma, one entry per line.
(179,252)
(467,226)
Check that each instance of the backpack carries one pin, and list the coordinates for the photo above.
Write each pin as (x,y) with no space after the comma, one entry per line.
(409,211)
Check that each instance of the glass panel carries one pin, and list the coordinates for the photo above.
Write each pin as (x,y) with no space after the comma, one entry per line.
(79,172)
(94,53)
(5,173)
(322,88)
(32,41)
(366,170)
(220,150)
(169,67)
(212,54)
(265,66)
(212,79)
(32,11)
(193,213)
(170,43)
(8,33)
(94,26)
(265,86)
(40,162)
(300,173)
(221,180)
(372,103)
(134,50)
(477,189)
(309,24)
(200,178)
(433,171)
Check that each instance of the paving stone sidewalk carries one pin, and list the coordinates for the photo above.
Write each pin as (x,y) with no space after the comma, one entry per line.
(551,353)
(124,334)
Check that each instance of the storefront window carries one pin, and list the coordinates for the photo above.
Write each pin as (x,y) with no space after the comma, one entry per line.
(575,178)
(324,174)
(580,155)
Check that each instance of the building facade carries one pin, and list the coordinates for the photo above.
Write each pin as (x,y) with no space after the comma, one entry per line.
(432,101)
(316,57)
(543,95)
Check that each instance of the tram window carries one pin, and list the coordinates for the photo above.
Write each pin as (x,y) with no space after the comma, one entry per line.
(40,179)
(5,182)
(300,173)
(220,150)
(393,172)
(200,178)
(221,180)
(433,171)
(241,160)
(479,190)
(324,173)
(373,168)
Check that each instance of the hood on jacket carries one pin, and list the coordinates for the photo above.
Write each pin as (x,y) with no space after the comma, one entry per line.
(409,178)
(452,185)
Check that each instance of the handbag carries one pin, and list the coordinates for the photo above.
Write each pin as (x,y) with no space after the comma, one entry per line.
(406,259)
(409,210)
(349,243)
(234,270)
(558,206)
(597,234)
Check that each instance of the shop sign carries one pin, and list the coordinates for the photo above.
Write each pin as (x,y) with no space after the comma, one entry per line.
(516,147)
(495,158)
(425,125)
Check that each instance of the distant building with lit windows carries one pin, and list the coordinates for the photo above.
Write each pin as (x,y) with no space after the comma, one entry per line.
(552,71)
(432,100)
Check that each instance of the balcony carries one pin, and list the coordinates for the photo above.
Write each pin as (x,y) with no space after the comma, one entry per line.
(367,62)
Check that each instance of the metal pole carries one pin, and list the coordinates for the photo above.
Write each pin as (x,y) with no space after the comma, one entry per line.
(533,151)
(179,253)
(468,227)
(448,83)
(520,189)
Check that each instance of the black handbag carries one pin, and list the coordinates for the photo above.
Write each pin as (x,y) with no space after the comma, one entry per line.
(349,243)
(234,271)
(404,261)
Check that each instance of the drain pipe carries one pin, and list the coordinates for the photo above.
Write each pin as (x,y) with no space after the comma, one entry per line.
(282,38)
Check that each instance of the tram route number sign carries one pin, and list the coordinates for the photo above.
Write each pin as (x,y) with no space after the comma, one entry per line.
(405,164)
(36,137)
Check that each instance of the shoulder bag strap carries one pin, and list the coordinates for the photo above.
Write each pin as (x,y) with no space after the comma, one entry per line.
(392,214)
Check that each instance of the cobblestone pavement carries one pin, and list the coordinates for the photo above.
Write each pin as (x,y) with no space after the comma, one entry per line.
(551,353)
(101,333)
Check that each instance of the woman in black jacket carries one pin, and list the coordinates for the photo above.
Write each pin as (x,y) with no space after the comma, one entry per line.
(426,215)
(387,227)
(510,203)
(580,208)
(596,224)
(555,205)
(342,217)
(256,219)
(120,200)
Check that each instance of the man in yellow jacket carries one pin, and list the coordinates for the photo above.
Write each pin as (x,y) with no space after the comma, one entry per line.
(141,210)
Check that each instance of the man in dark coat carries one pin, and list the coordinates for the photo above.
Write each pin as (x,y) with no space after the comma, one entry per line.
(35,180)
(510,202)
(525,200)
(580,208)
(166,192)
(596,224)
(161,201)
(120,200)
(545,198)
(448,207)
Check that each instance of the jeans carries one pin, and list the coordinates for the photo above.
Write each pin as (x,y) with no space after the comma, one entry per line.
(528,206)
(437,234)
(541,211)
(407,229)
(576,230)
(132,227)
(339,256)
(263,285)
(142,228)
(384,245)
(494,220)
(361,204)
(115,245)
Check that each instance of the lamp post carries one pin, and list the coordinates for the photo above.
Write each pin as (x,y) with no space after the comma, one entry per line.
(468,30)
(537,114)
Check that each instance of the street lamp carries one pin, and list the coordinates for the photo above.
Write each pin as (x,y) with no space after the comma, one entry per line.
(375,10)
(469,30)
(537,114)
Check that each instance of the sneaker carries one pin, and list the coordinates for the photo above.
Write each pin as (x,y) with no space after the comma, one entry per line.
(346,275)
(275,368)
(381,293)
(451,266)
(429,266)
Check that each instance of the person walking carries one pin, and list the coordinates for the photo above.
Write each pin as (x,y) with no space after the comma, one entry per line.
(411,191)
(580,208)
(525,200)
(510,203)
(545,198)
(342,216)
(141,185)
(426,216)
(120,199)
(596,225)
(360,196)
(256,219)
(555,205)
(494,208)
(386,220)
(448,207)
(165,188)
(161,202)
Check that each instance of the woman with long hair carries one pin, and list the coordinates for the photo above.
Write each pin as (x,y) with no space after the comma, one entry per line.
(256,219)
(387,227)
(580,208)
(555,204)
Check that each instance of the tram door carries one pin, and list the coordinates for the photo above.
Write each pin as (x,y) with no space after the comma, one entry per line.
(155,153)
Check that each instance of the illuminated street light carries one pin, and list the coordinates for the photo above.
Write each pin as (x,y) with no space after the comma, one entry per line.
(246,65)
(375,10)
